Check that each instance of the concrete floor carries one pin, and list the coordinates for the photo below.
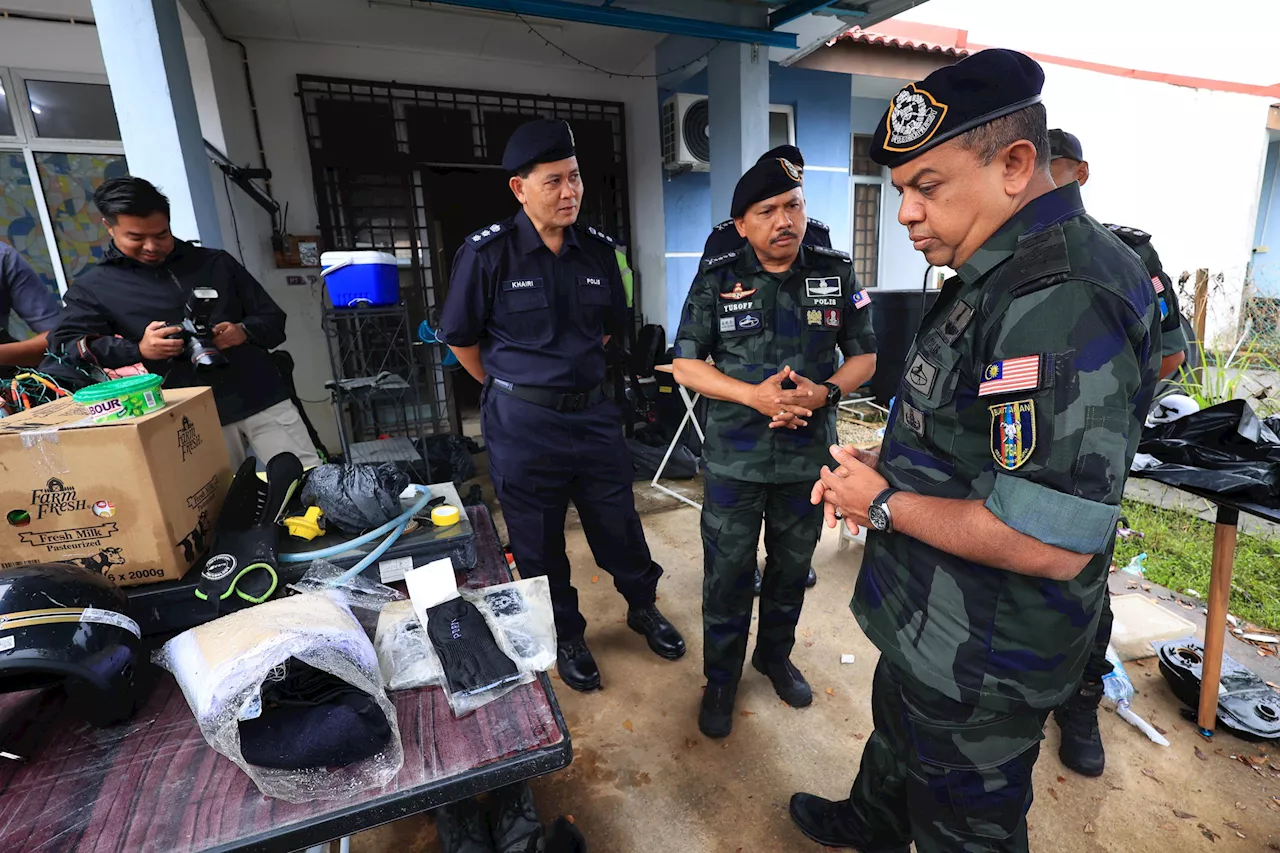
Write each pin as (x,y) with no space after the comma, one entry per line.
(644,778)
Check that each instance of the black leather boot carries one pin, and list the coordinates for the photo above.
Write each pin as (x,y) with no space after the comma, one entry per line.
(1081,747)
(812,580)
(787,681)
(664,640)
(827,823)
(516,828)
(715,717)
(576,666)
(461,828)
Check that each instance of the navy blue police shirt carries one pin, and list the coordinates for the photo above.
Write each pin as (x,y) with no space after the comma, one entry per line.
(539,318)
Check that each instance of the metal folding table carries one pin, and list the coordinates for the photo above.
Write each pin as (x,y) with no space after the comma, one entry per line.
(689,416)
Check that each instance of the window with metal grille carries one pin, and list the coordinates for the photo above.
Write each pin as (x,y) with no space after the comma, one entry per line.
(868,196)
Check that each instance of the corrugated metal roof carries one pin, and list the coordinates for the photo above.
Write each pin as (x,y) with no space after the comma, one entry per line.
(917,37)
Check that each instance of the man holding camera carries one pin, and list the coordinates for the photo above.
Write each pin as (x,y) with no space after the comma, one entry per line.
(190,314)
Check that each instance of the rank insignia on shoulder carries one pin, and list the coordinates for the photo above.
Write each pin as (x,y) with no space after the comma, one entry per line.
(599,235)
(1013,433)
(819,224)
(861,299)
(1011,374)
(1157,284)
(830,253)
(738,293)
(484,235)
(720,260)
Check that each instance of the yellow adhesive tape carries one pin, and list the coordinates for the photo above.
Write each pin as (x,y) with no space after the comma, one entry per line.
(444,516)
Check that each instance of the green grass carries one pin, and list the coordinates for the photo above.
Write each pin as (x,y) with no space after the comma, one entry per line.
(1179,550)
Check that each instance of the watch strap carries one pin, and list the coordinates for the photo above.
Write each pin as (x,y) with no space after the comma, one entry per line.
(882,500)
(833,390)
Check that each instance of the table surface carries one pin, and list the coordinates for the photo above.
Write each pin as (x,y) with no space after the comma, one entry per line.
(155,786)
(1268,513)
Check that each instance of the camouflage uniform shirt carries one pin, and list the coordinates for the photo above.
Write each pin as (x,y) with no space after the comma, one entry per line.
(1172,338)
(1026,388)
(753,323)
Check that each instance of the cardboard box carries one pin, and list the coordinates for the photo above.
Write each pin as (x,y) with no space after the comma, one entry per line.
(135,500)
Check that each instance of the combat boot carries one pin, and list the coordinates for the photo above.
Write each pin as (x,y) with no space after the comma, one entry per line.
(461,828)
(576,665)
(789,684)
(516,828)
(829,823)
(1081,747)
(715,717)
(812,580)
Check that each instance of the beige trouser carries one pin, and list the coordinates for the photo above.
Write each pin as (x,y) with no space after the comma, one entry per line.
(278,429)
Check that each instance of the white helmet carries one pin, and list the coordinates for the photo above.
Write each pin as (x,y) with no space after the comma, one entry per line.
(1170,408)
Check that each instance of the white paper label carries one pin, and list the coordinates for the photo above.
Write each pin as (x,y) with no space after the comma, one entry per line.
(430,585)
(6,643)
(110,617)
(395,570)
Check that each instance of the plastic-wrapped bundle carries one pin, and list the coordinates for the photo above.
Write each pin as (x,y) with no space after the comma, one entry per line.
(356,498)
(290,691)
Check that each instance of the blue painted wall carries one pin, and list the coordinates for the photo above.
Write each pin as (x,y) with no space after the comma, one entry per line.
(1266,265)
(822,113)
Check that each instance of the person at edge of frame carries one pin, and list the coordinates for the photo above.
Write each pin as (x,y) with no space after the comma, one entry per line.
(770,313)
(992,502)
(533,301)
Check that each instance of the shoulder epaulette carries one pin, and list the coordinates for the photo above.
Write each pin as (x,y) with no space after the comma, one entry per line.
(728,223)
(830,253)
(721,260)
(819,224)
(601,236)
(486,235)
(1131,236)
(1039,261)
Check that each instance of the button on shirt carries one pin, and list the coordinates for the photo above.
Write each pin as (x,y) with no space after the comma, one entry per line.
(1026,388)
(539,318)
(23,293)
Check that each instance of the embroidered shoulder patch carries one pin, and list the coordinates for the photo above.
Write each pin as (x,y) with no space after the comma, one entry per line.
(738,293)
(1157,284)
(861,299)
(1011,374)
(1013,433)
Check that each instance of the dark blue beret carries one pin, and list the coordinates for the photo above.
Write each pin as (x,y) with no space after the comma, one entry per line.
(786,152)
(1063,144)
(976,90)
(765,179)
(542,140)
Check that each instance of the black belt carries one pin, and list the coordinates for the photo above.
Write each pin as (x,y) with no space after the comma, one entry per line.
(561,401)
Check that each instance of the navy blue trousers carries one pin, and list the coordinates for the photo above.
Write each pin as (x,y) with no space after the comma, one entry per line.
(540,460)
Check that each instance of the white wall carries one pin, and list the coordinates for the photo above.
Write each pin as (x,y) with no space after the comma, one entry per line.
(50,46)
(1183,164)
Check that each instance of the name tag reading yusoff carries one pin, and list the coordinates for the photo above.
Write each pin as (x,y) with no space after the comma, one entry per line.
(521,284)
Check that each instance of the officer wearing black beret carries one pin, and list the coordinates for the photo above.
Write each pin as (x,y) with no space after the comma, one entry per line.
(533,299)
(724,238)
(992,503)
(1081,744)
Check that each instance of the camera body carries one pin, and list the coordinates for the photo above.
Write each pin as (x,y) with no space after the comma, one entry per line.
(197,331)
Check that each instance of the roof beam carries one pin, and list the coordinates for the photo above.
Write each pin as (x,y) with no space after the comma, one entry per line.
(612,16)
(798,9)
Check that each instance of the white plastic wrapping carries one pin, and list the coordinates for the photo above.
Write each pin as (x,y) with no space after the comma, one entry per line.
(222,665)
(364,597)
(518,614)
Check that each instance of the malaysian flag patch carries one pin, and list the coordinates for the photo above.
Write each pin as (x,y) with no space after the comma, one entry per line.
(1157,283)
(1011,374)
(861,299)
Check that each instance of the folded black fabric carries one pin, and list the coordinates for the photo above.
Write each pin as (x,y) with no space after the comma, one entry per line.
(312,719)
(470,657)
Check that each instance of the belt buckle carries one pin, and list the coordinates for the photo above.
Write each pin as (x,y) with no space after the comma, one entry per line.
(574,401)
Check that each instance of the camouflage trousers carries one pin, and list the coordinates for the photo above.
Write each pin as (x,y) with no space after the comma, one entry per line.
(948,776)
(1097,664)
(732,512)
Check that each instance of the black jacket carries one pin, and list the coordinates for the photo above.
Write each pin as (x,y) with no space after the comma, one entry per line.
(120,296)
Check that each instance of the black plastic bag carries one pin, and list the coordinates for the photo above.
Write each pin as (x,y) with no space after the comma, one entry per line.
(682,465)
(1224,449)
(450,458)
(356,498)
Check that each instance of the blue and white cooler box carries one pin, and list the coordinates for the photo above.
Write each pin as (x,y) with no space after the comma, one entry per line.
(360,278)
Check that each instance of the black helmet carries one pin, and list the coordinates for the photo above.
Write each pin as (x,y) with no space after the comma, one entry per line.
(61,623)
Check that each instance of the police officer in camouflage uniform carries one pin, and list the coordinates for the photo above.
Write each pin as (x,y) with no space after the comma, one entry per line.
(724,238)
(771,315)
(1081,745)
(993,500)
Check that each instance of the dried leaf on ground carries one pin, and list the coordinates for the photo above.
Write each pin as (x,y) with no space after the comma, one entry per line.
(1062,779)
(595,579)
(1159,729)
(1053,793)
(1241,806)
(1231,823)
(748,713)
(1179,813)
(1200,755)
(1207,832)
(831,691)
(1150,774)
(1146,587)
(626,724)
(1169,827)
(690,743)
(1088,829)
(1131,585)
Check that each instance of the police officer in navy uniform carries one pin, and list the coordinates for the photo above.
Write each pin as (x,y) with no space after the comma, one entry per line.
(532,302)
(724,238)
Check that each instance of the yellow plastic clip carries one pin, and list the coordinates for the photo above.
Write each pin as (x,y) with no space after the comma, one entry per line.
(306,526)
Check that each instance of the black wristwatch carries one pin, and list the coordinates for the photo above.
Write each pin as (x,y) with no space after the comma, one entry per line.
(878,514)
(833,393)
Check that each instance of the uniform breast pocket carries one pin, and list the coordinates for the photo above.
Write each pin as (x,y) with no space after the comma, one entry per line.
(928,391)
(524,308)
(593,291)
(740,322)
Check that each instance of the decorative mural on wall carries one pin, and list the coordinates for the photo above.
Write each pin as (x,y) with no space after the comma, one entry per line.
(69,181)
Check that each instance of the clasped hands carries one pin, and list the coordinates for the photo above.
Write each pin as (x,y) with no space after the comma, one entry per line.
(847,492)
(788,408)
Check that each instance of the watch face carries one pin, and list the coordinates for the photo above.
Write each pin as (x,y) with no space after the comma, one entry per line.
(878,517)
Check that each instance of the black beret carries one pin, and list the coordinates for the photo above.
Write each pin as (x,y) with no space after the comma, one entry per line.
(542,140)
(786,152)
(1063,144)
(977,89)
(765,179)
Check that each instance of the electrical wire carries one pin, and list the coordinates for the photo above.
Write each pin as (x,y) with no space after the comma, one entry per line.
(619,74)
(231,205)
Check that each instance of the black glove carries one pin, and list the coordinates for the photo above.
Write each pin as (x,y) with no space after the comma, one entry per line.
(471,658)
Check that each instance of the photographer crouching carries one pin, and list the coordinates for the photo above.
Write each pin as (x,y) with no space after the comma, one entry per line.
(190,314)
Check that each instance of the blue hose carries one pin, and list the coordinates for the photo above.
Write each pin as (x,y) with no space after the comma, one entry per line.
(392,530)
